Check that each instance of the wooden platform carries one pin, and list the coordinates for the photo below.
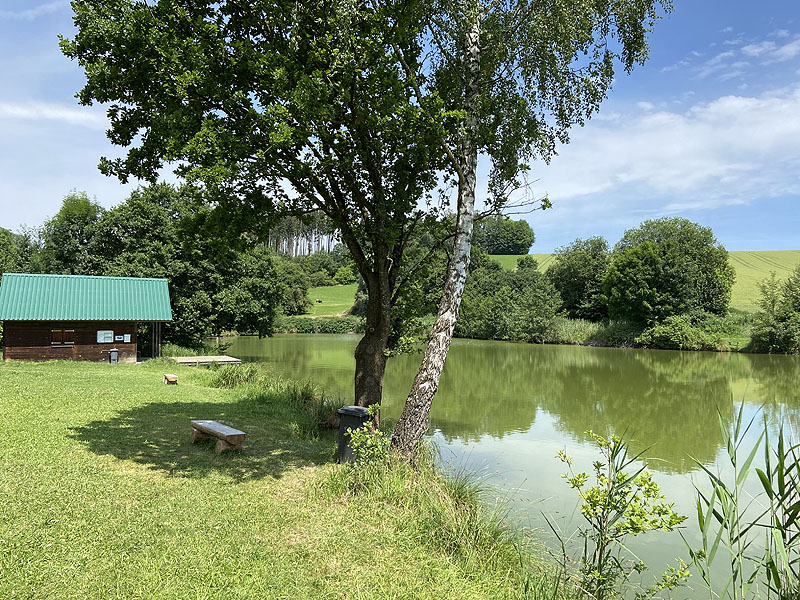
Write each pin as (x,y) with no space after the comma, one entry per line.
(196,361)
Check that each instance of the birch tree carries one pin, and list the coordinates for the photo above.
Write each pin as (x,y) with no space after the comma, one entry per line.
(520,74)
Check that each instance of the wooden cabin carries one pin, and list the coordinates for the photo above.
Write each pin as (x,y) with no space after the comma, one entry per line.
(78,317)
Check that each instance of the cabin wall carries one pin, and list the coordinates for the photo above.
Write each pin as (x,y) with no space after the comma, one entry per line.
(32,340)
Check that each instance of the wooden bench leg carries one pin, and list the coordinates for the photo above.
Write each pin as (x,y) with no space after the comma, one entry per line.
(198,436)
(223,446)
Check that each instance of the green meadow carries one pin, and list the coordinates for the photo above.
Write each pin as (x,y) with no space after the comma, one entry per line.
(336,300)
(751,268)
(104,496)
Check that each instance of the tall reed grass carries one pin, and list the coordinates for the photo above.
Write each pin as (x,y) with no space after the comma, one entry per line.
(732,521)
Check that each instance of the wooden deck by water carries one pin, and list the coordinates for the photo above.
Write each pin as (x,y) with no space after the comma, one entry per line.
(196,361)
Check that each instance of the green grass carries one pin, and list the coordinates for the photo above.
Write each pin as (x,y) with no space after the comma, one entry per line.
(104,496)
(509,261)
(751,268)
(754,267)
(336,300)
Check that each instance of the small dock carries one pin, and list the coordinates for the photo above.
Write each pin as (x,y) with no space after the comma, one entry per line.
(197,361)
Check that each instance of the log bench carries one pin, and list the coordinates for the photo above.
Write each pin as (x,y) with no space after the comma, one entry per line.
(228,438)
(171,379)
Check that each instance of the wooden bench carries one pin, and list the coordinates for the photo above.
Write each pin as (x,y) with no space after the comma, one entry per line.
(228,438)
(170,379)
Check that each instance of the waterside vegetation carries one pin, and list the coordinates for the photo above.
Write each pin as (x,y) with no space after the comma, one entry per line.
(109,498)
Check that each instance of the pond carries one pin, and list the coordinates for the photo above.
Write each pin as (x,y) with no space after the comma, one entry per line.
(504,409)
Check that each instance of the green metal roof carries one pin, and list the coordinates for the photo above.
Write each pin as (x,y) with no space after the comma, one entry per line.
(34,297)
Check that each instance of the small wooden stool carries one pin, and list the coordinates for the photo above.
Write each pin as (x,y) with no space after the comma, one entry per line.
(170,379)
(228,438)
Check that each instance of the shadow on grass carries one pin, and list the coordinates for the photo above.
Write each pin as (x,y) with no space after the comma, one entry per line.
(158,435)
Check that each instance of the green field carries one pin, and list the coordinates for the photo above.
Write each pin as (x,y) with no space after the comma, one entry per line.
(509,261)
(104,496)
(336,300)
(751,268)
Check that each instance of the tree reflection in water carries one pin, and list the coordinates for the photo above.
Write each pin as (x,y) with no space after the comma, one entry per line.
(663,401)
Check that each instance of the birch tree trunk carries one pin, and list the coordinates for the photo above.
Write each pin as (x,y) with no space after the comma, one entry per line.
(414,419)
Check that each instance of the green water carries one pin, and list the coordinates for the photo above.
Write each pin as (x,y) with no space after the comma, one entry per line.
(503,410)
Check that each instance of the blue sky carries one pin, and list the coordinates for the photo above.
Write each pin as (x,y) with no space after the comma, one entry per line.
(708,129)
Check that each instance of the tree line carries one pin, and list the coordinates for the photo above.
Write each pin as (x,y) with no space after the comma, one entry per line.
(217,282)
(665,284)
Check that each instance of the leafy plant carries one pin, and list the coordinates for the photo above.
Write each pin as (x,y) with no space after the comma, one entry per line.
(625,502)
(370,445)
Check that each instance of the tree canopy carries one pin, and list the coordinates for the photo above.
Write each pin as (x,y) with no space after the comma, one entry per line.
(577,273)
(666,267)
(500,235)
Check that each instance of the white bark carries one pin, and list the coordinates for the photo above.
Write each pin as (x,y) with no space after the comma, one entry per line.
(414,419)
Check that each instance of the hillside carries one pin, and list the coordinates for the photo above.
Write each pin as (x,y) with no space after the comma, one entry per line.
(336,300)
(751,268)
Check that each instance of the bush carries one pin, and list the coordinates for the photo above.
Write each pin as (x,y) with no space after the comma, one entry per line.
(508,305)
(776,327)
(617,333)
(677,333)
(298,324)
(320,279)
(346,275)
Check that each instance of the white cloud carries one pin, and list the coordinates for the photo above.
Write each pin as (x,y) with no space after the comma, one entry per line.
(40,111)
(715,65)
(758,49)
(788,51)
(734,150)
(36,12)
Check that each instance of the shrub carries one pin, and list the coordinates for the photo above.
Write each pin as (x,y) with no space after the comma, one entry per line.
(320,279)
(776,327)
(346,275)
(624,503)
(296,324)
(677,333)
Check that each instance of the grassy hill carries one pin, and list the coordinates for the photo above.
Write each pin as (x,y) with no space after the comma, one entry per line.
(336,299)
(751,268)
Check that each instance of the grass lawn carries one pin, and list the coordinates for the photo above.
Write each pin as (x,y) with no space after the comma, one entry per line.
(751,268)
(336,300)
(104,496)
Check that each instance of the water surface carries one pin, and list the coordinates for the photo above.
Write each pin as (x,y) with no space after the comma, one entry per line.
(504,409)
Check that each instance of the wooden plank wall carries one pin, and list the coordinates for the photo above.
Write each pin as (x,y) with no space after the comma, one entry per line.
(30,340)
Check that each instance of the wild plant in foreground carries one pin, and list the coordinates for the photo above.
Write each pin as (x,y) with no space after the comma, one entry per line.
(732,521)
(781,482)
(625,502)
